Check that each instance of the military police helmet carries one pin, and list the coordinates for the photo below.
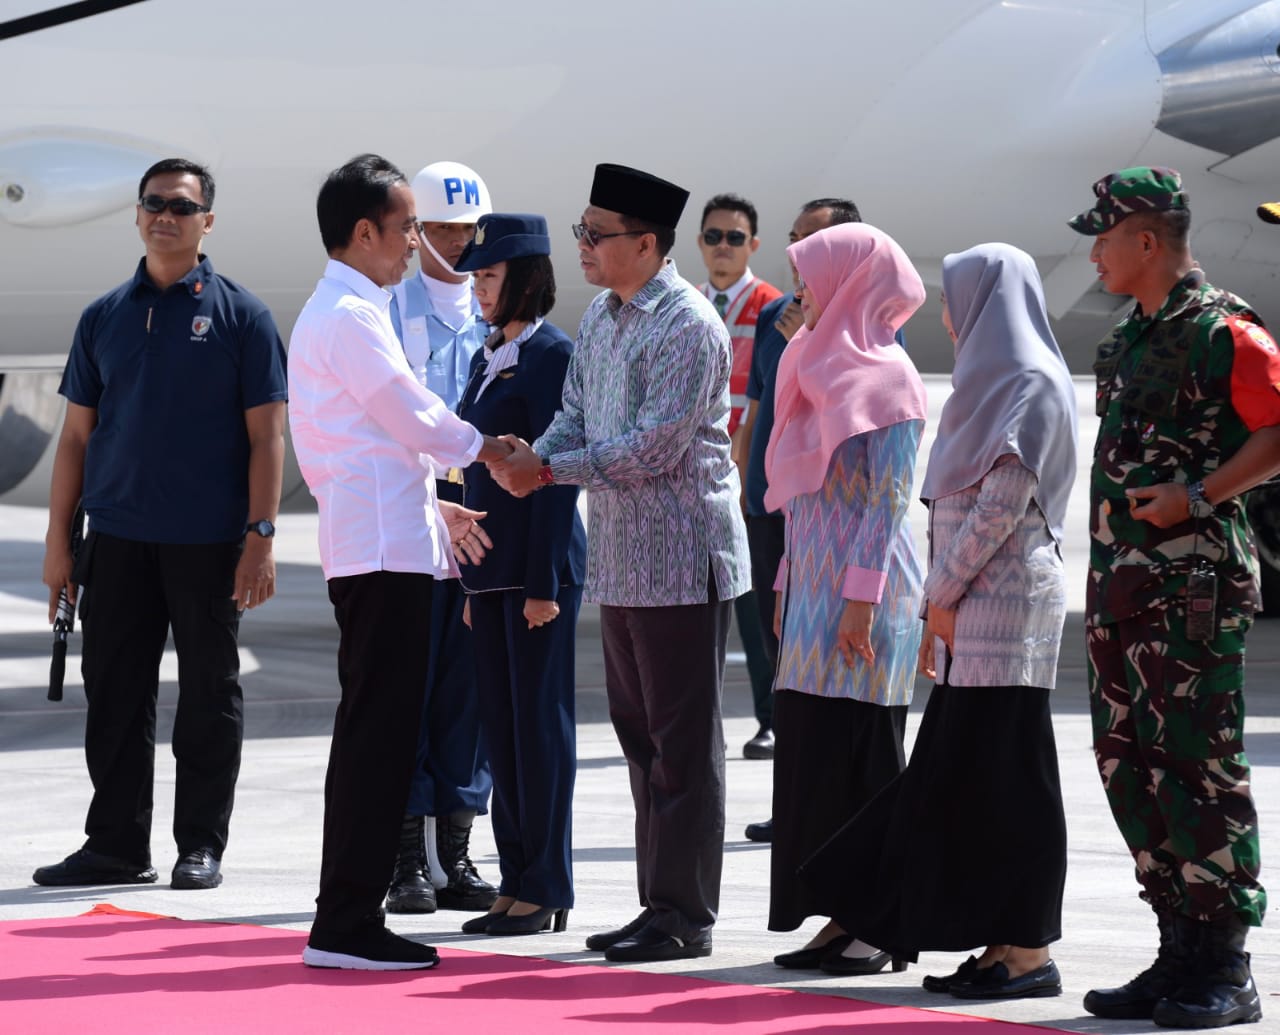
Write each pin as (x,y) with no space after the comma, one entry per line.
(450,192)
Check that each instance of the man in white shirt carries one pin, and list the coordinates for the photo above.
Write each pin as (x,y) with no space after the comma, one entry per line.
(366,432)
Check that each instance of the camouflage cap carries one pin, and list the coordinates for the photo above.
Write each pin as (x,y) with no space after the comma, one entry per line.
(1269,212)
(1140,189)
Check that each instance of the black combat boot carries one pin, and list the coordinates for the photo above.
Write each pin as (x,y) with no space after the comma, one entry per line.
(1219,989)
(1179,936)
(465,889)
(411,890)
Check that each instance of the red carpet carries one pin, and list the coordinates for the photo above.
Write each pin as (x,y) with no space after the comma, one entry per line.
(110,972)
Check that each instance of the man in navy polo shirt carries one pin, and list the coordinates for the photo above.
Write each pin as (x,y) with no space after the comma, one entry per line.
(174,439)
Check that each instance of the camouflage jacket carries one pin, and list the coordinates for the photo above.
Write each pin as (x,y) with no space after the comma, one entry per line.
(1164,396)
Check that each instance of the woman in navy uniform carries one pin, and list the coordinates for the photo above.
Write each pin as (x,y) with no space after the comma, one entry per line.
(523,598)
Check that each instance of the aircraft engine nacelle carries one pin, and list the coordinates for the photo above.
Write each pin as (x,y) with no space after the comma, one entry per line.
(30,413)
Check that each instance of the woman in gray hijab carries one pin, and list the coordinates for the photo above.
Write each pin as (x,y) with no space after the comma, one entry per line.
(970,840)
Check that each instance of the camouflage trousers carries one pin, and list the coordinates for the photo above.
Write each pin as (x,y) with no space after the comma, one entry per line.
(1168,735)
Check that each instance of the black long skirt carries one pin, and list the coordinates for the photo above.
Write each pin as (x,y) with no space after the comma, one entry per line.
(968,847)
(832,755)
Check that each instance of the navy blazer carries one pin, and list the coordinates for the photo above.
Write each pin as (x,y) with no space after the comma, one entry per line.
(539,542)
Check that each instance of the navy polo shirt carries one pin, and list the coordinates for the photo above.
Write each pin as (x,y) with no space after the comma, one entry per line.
(766,354)
(170,374)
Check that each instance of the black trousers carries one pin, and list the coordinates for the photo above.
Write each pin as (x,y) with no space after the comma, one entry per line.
(133,594)
(664,670)
(766,539)
(382,670)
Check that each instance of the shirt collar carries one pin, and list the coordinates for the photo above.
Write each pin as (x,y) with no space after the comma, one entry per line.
(194,281)
(732,291)
(647,297)
(358,283)
(1183,294)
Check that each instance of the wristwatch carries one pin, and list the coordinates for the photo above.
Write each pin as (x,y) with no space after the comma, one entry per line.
(264,528)
(545,477)
(1197,502)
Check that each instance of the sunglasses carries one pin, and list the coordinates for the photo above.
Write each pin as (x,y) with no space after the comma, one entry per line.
(178,206)
(736,238)
(582,232)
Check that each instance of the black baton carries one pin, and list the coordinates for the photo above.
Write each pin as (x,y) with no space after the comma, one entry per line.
(64,620)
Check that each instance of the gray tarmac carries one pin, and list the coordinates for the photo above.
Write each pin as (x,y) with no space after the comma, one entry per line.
(290,683)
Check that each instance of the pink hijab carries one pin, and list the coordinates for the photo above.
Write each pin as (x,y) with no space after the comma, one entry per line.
(848,375)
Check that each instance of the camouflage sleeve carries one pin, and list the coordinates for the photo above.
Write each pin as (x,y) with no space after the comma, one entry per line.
(1255,374)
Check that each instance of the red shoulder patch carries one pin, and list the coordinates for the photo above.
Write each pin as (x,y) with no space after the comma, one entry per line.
(1255,374)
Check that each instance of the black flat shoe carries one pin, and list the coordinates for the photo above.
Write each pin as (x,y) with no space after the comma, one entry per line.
(606,939)
(649,945)
(548,918)
(835,963)
(811,959)
(196,870)
(994,982)
(480,924)
(761,833)
(85,866)
(964,972)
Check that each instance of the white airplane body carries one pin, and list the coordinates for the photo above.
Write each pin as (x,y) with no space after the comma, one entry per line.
(949,122)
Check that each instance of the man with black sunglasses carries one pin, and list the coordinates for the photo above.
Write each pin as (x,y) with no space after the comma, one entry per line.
(174,437)
(727,241)
(643,425)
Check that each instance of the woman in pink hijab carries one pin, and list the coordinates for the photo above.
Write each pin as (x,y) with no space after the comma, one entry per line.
(850,409)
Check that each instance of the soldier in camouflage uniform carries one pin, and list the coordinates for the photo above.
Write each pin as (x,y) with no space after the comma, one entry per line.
(1189,401)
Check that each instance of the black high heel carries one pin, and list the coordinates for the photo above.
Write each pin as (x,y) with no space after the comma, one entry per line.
(546,918)
(873,964)
(480,924)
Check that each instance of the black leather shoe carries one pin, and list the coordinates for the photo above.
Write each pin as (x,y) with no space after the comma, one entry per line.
(1219,988)
(547,918)
(994,982)
(480,924)
(649,945)
(606,939)
(762,832)
(86,866)
(760,746)
(964,972)
(196,870)
(836,963)
(811,959)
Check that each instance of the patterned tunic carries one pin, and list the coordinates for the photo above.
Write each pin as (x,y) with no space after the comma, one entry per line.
(644,426)
(853,531)
(992,557)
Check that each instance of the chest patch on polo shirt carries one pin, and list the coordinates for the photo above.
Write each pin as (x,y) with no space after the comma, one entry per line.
(200,327)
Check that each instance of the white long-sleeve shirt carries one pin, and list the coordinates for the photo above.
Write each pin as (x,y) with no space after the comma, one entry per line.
(361,425)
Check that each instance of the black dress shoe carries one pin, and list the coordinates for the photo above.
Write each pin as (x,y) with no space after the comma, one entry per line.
(196,870)
(994,982)
(964,972)
(86,866)
(760,746)
(811,959)
(837,963)
(762,832)
(606,939)
(547,918)
(649,945)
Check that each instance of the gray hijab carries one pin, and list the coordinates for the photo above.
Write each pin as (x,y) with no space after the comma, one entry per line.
(1012,390)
